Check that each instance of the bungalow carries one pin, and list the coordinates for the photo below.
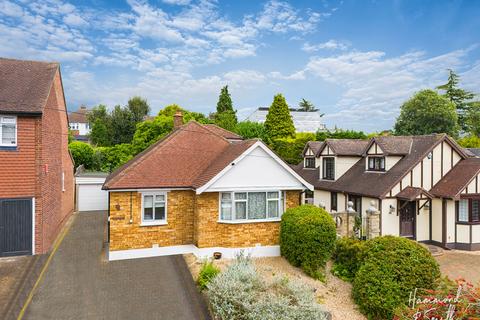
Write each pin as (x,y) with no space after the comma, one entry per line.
(36,169)
(201,190)
(424,187)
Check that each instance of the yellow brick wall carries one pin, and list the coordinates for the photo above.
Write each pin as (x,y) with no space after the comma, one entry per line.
(210,233)
(126,235)
(191,219)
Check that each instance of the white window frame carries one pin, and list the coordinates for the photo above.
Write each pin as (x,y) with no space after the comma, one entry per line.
(1,130)
(154,222)
(281,200)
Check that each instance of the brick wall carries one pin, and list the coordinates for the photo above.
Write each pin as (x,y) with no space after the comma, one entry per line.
(56,204)
(126,235)
(191,220)
(210,233)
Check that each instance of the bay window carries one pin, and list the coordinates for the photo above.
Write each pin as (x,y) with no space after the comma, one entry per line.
(154,208)
(8,131)
(251,206)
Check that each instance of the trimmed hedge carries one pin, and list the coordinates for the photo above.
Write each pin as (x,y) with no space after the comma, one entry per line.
(307,238)
(348,257)
(392,268)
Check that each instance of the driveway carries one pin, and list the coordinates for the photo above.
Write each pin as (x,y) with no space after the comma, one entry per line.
(460,264)
(81,284)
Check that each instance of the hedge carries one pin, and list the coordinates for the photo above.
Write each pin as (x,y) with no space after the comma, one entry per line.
(348,257)
(307,238)
(392,268)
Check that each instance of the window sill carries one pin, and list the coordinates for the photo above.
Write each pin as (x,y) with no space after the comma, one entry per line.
(153,224)
(249,221)
(468,223)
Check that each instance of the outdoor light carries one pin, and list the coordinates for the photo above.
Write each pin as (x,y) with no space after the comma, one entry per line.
(392,208)
(429,155)
(321,205)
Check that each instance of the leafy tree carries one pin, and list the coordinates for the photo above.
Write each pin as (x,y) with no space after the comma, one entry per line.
(139,108)
(279,123)
(100,134)
(150,131)
(340,134)
(114,157)
(306,105)
(224,103)
(82,153)
(170,110)
(458,96)
(225,116)
(290,149)
(122,124)
(470,141)
(250,130)
(472,118)
(425,113)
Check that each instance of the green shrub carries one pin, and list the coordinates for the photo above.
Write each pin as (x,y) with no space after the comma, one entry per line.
(307,238)
(348,257)
(290,149)
(392,268)
(82,153)
(240,292)
(207,273)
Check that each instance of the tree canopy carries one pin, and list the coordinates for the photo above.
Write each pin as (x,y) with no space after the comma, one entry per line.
(425,113)
(225,116)
(306,105)
(279,123)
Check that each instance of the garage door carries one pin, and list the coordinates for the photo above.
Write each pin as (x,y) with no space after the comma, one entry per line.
(91,197)
(15,227)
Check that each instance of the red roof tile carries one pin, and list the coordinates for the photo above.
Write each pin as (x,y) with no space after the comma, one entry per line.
(25,85)
(223,132)
(187,158)
(457,179)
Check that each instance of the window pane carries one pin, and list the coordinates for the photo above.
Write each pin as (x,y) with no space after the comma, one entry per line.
(256,205)
(475,211)
(463,210)
(8,134)
(226,196)
(241,196)
(148,201)
(272,195)
(226,213)
(240,210)
(159,211)
(148,208)
(160,197)
(328,168)
(273,209)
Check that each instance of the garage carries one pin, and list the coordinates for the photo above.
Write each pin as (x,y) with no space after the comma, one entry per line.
(89,193)
(16,225)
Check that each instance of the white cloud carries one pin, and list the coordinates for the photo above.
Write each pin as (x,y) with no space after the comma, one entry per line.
(329,45)
(75,20)
(177,2)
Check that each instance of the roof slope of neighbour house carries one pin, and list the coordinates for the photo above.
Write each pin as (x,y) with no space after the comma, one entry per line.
(457,179)
(25,85)
(357,180)
(189,157)
(79,116)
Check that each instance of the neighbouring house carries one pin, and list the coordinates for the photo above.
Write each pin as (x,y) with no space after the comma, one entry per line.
(423,187)
(201,189)
(304,121)
(79,125)
(36,168)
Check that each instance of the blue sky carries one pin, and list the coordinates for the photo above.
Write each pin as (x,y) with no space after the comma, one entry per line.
(355,60)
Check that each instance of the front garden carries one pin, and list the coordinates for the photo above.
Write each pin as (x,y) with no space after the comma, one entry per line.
(342,278)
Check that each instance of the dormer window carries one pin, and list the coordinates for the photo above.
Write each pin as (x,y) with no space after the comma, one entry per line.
(310,162)
(328,168)
(376,163)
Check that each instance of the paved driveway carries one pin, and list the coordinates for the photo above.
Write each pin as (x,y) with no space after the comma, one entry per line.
(460,264)
(80,284)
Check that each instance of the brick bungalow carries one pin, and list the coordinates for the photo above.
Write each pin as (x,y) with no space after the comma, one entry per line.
(36,175)
(201,189)
(425,188)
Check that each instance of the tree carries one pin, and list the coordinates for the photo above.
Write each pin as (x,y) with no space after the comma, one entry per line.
(250,130)
(470,141)
(458,96)
(340,134)
(472,118)
(139,108)
(279,123)
(224,103)
(123,125)
(82,153)
(225,116)
(425,113)
(306,105)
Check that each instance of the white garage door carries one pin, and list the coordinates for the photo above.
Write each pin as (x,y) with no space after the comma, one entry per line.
(91,197)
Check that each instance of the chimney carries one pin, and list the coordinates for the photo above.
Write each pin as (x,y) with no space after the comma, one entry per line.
(177,119)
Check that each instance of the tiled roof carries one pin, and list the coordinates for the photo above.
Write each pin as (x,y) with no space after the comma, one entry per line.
(457,179)
(394,145)
(347,147)
(412,193)
(314,145)
(375,184)
(187,158)
(79,116)
(473,152)
(25,85)
(223,132)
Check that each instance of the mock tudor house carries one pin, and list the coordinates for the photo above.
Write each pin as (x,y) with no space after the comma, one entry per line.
(36,169)
(201,190)
(424,187)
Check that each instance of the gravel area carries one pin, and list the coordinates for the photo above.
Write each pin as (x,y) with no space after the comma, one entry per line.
(335,294)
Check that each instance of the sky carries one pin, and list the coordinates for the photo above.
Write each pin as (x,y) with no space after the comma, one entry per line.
(356,61)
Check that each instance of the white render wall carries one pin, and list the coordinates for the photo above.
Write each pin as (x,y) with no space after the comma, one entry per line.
(437,220)
(390,221)
(423,223)
(463,233)
(451,220)
(343,164)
